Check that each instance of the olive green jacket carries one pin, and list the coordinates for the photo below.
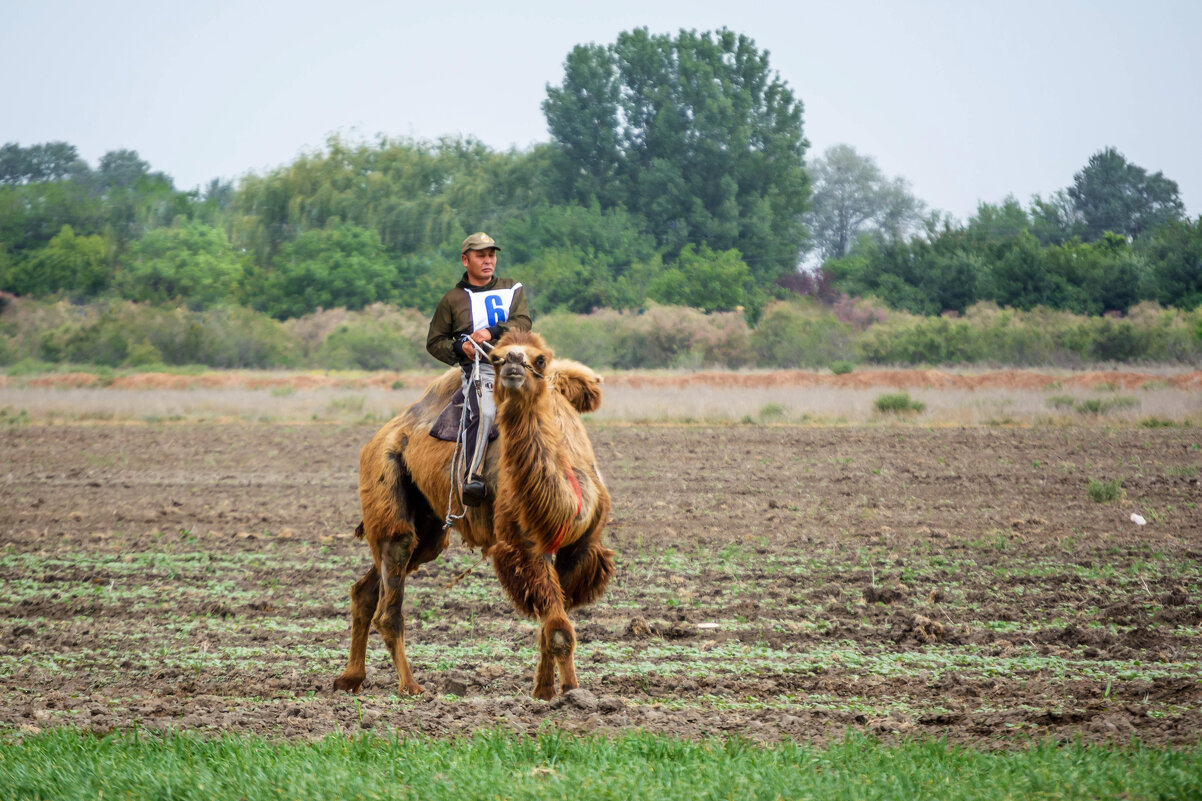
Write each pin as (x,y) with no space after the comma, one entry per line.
(456,316)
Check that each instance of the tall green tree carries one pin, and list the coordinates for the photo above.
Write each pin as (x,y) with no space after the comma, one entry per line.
(705,280)
(418,196)
(593,258)
(1174,258)
(852,196)
(694,134)
(340,266)
(915,275)
(1112,194)
(190,262)
(68,263)
(47,161)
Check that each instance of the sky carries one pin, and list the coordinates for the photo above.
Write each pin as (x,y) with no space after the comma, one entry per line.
(969,102)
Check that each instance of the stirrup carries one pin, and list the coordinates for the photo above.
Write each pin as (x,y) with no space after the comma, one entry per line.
(475,491)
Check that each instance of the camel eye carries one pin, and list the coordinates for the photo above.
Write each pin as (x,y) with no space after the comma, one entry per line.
(540,362)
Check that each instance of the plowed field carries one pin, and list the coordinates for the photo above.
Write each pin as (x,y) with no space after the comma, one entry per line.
(775,581)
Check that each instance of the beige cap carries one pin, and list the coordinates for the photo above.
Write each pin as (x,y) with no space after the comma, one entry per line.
(479,241)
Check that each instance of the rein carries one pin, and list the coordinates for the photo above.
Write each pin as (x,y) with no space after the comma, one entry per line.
(457,456)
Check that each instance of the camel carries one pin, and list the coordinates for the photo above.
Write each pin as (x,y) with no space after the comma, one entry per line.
(543,532)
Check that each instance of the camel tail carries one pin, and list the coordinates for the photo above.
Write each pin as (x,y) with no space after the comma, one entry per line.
(359,533)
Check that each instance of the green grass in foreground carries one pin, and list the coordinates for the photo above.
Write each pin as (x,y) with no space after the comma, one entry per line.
(63,763)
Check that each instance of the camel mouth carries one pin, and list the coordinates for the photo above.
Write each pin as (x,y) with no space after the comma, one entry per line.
(513,376)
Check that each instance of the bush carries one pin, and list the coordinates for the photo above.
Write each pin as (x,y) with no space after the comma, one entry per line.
(799,333)
(842,367)
(898,403)
(922,340)
(380,337)
(367,347)
(115,334)
(589,338)
(662,336)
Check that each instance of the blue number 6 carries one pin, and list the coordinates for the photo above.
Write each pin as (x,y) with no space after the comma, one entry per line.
(494,310)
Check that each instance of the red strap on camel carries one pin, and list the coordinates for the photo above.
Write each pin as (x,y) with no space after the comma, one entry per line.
(563,530)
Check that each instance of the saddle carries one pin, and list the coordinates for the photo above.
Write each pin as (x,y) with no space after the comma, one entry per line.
(446,427)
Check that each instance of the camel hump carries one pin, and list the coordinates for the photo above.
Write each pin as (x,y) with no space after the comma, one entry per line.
(576,382)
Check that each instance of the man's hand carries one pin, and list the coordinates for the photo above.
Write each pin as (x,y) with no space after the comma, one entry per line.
(469,344)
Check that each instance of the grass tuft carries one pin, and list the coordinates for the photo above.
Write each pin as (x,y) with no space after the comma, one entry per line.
(772,412)
(1107,491)
(1103,405)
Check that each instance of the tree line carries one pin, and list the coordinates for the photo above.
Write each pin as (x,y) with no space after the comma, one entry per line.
(676,174)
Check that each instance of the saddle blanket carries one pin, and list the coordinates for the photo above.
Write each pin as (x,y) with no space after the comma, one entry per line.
(446,427)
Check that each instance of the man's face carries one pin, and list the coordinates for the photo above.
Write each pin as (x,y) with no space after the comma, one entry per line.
(480,265)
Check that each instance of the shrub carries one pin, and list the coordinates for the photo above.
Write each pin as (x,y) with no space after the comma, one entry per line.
(799,333)
(379,337)
(589,338)
(367,347)
(898,403)
(840,367)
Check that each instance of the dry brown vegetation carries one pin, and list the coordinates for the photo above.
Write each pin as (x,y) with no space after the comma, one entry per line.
(951,397)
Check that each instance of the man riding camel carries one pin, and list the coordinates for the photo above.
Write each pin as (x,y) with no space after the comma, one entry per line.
(481,308)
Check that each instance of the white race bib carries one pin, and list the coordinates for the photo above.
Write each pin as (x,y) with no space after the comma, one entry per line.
(491,307)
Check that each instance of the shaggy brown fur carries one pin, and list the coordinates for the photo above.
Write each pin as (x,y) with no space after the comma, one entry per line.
(405,482)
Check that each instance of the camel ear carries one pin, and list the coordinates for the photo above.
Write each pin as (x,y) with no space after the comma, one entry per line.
(576,382)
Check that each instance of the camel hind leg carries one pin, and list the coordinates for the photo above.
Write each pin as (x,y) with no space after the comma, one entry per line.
(389,619)
(364,596)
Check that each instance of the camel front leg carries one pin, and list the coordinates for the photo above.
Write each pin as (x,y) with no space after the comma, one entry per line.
(532,584)
(389,619)
(364,596)
(584,568)
(556,649)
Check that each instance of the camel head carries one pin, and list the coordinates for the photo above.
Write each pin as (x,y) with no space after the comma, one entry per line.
(520,360)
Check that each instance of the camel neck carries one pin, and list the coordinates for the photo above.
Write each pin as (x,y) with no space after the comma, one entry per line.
(533,456)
